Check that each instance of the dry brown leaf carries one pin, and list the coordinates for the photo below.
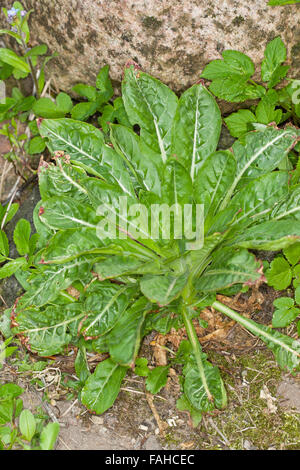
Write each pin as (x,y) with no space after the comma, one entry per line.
(73,292)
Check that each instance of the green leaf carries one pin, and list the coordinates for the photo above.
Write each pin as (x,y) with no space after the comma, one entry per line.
(272,235)
(83,142)
(48,436)
(49,331)
(212,182)
(162,289)
(36,145)
(8,212)
(183,404)
(83,111)
(64,102)
(41,49)
(125,338)
(81,365)
(11,267)
(65,213)
(46,108)
(27,424)
(235,89)
(46,284)
(258,153)
(290,206)
(152,105)
(240,122)
(297,295)
(157,379)
(194,389)
(228,267)
(279,275)
(141,367)
(104,306)
(144,166)
(271,69)
(4,246)
(10,57)
(230,77)
(12,34)
(62,180)
(234,63)
(285,312)
(87,91)
(21,236)
(196,129)
(10,390)
(292,253)
(103,84)
(102,388)
(252,202)
(282,2)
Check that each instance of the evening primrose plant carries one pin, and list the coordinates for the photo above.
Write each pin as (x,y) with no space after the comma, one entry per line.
(99,280)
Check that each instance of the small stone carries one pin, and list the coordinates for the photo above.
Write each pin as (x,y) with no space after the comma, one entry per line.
(152,443)
(143,428)
(248,445)
(98,420)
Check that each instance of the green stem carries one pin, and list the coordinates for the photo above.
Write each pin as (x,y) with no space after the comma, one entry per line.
(253,327)
(32,71)
(192,335)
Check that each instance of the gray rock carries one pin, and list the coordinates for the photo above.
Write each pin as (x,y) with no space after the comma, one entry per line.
(152,443)
(171,40)
(289,393)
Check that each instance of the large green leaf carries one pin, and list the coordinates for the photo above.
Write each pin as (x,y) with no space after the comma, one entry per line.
(64,213)
(61,180)
(118,265)
(125,338)
(152,105)
(48,331)
(83,142)
(258,153)
(194,389)
(272,235)
(213,180)
(177,185)
(102,388)
(104,305)
(290,207)
(227,268)
(67,245)
(162,289)
(46,283)
(196,129)
(126,220)
(254,201)
(10,57)
(144,166)
(85,145)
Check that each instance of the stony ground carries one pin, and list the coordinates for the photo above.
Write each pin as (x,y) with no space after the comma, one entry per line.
(264,404)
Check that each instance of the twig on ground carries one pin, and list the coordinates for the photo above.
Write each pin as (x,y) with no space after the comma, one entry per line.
(162,426)
(70,407)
